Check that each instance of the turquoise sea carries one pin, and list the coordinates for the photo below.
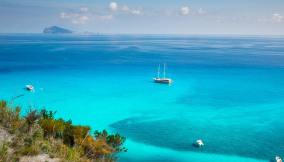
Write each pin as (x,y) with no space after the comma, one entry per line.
(227,91)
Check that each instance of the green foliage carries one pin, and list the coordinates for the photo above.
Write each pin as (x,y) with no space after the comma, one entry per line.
(80,133)
(31,118)
(9,117)
(3,104)
(69,154)
(37,134)
(47,114)
(3,152)
(30,150)
(68,137)
(59,128)
(52,127)
(41,132)
(114,140)
(101,135)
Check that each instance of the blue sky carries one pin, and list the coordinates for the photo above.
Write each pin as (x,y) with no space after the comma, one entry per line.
(245,17)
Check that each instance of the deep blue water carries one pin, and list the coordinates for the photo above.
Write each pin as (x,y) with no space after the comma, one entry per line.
(228,91)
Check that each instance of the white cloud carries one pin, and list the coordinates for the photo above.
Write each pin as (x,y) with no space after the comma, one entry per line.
(136,12)
(84,9)
(84,18)
(83,15)
(262,20)
(276,17)
(113,6)
(74,18)
(125,8)
(104,17)
(63,15)
(80,19)
(201,11)
(184,10)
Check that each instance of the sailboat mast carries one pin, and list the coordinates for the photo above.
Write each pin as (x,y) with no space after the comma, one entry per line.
(164,70)
(158,75)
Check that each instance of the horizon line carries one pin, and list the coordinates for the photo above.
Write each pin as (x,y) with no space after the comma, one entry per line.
(161,34)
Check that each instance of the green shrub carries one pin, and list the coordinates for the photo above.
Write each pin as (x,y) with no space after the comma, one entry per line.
(114,140)
(10,117)
(3,104)
(31,118)
(32,150)
(3,152)
(38,133)
(47,114)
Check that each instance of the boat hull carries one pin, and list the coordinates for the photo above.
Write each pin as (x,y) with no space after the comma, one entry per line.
(163,80)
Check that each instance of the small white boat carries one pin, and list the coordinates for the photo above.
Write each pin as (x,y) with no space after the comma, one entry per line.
(278,159)
(163,80)
(199,143)
(30,87)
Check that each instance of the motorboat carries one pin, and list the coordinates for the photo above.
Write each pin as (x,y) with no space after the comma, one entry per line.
(199,143)
(30,87)
(278,159)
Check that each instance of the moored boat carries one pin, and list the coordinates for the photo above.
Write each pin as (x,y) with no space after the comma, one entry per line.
(29,87)
(199,143)
(163,80)
(278,159)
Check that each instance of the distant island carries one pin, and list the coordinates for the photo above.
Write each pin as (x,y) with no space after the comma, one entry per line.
(56,30)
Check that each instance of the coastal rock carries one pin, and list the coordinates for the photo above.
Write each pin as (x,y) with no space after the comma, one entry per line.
(39,158)
(56,30)
(4,136)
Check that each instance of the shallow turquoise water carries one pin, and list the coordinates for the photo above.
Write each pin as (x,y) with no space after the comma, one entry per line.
(227,91)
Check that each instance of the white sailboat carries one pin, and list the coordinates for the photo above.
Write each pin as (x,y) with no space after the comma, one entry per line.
(163,80)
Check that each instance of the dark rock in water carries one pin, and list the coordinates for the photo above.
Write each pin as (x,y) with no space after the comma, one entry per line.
(56,30)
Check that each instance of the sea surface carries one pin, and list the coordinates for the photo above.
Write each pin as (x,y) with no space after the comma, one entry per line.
(227,91)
